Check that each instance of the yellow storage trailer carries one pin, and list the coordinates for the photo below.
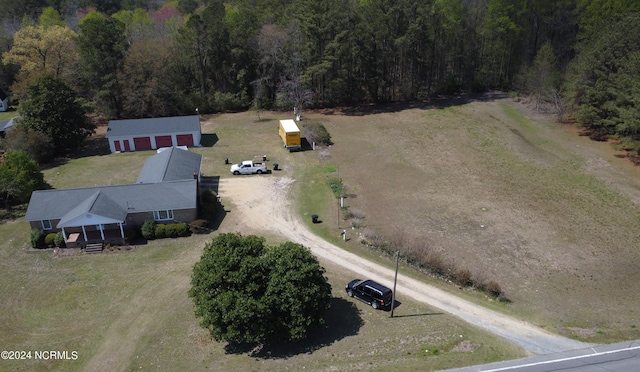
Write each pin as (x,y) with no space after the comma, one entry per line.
(290,134)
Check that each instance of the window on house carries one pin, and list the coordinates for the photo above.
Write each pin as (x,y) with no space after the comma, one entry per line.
(163,215)
(46,224)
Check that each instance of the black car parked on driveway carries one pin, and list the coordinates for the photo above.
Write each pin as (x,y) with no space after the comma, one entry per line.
(375,294)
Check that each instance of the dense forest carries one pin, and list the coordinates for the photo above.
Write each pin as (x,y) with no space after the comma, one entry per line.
(145,58)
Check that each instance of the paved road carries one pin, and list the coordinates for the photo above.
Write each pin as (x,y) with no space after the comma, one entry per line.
(621,357)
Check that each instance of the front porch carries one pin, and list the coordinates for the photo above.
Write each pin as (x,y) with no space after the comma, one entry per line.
(112,236)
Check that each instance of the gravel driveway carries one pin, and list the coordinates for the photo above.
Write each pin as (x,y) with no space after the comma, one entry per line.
(262,202)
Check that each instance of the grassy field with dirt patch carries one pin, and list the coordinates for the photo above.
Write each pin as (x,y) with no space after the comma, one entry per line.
(130,310)
(551,216)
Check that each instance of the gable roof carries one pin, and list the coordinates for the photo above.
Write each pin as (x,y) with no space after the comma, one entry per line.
(170,165)
(97,204)
(111,201)
(153,126)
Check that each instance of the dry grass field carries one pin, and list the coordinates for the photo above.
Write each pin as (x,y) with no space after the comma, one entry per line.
(549,215)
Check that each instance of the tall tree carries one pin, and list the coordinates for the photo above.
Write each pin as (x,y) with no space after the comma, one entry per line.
(103,47)
(138,24)
(593,15)
(38,50)
(34,143)
(53,108)
(603,82)
(246,292)
(50,17)
(297,293)
(272,44)
(202,47)
(543,78)
(146,89)
(502,35)
(19,177)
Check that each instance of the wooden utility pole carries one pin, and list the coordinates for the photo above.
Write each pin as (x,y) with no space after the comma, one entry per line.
(395,281)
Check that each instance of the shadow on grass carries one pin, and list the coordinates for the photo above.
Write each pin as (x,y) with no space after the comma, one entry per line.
(436,102)
(97,145)
(13,213)
(412,315)
(209,139)
(92,146)
(219,214)
(263,120)
(305,145)
(342,320)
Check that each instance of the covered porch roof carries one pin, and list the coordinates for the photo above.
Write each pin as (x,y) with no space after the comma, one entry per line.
(97,209)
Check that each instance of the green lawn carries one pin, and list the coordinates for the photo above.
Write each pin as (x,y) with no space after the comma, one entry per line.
(130,310)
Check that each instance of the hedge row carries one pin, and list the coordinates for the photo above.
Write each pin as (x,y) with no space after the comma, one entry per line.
(153,230)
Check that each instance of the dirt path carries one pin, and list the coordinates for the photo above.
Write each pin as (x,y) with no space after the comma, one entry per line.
(262,202)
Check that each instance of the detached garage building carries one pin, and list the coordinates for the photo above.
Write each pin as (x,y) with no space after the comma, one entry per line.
(153,133)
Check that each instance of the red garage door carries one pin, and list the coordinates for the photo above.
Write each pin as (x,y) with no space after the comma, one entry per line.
(142,143)
(117,145)
(163,141)
(185,139)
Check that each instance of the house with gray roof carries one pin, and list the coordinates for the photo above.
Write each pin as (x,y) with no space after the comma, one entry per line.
(153,133)
(170,164)
(166,191)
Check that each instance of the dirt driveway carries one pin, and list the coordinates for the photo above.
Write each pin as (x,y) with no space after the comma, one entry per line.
(263,203)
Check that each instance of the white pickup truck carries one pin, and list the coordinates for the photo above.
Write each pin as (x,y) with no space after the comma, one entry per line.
(248,167)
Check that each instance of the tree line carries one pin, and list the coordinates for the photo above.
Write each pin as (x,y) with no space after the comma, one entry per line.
(146,58)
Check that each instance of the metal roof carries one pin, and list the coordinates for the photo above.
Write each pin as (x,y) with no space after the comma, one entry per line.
(110,201)
(153,126)
(289,126)
(170,165)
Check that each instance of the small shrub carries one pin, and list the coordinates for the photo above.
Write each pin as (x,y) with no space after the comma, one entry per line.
(175,230)
(170,230)
(49,240)
(336,186)
(436,264)
(356,223)
(371,237)
(480,280)
(199,227)
(148,229)
(36,238)
(182,229)
(160,231)
(493,289)
(463,278)
(356,213)
(503,298)
(59,240)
